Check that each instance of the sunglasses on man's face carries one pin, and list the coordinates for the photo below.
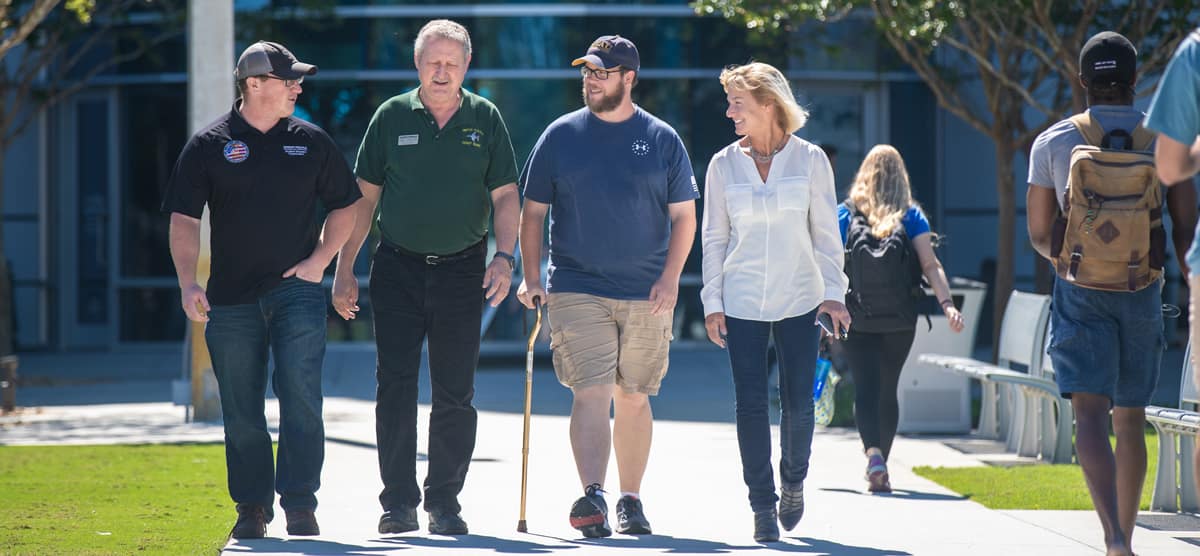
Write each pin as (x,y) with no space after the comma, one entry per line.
(289,83)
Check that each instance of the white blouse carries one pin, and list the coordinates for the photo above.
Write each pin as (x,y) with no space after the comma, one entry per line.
(771,250)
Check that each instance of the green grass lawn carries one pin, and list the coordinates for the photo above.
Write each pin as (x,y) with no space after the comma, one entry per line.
(1032,487)
(113,499)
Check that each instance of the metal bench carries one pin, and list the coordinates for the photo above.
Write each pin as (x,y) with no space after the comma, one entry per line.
(1021,340)
(1174,484)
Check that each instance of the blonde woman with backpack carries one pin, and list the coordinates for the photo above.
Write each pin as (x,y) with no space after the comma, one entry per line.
(889,248)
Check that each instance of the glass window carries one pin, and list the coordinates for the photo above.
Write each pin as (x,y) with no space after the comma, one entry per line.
(155,127)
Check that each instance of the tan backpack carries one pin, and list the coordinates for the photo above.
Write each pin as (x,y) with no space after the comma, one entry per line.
(1110,236)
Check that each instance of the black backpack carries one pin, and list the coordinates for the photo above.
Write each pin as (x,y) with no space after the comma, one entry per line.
(885,278)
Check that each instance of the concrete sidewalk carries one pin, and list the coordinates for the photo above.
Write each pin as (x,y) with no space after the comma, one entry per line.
(693,491)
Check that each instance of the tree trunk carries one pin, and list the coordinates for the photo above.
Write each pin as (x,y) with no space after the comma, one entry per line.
(1006,228)
(6,302)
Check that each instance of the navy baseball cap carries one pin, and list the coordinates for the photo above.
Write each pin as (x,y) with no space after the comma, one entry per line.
(611,51)
(265,57)
(1108,58)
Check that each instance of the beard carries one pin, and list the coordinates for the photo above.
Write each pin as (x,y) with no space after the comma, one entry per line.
(606,103)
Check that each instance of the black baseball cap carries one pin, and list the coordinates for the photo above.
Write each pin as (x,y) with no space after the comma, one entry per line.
(1108,58)
(611,51)
(265,57)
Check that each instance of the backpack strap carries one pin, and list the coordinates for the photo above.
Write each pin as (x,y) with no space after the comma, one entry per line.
(1142,138)
(1089,128)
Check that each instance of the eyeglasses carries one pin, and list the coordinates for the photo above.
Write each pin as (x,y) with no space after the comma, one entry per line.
(600,74)
(289,83)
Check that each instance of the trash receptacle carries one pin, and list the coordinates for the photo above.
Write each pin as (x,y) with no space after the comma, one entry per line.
(934,400)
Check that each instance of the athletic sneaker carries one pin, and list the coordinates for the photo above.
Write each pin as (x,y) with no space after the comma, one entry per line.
(877,474)
(630,518)
(589,514)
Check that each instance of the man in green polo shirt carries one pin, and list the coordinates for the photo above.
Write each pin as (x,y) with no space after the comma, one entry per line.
(439,159)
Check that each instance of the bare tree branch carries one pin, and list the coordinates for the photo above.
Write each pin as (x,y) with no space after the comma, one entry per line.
(34,17)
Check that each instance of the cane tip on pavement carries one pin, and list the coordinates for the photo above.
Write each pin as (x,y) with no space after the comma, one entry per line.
(521,528)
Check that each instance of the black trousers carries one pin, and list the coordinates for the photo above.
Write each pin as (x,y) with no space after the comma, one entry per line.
(876,360)
(411,301)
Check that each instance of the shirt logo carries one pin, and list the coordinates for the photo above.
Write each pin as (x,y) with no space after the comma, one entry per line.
(471,136)
(236,152)
(406,140)
(295,150)
(640,147)
(695,188)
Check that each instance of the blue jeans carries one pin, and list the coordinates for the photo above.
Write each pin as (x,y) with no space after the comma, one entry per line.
(796,344)
(1107,343)
(288,320)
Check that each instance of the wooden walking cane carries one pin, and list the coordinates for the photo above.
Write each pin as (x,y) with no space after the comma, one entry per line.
(537,327)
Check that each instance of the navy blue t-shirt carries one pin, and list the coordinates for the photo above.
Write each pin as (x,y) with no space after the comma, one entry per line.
(608,186)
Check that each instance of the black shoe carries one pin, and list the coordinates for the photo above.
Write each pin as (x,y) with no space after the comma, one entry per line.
(589,514)
(302,523)
(630,519)
(446,523)
(402,520)
(791,506)
(765,527)
(251,522)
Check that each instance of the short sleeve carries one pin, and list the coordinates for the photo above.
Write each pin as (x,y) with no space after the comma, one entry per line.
(189,187)
(1174,112)
(915,222)
(1040,173)
(843,220)
(502,166)
(681,182)
(335,186)
(537,178)
(371,163)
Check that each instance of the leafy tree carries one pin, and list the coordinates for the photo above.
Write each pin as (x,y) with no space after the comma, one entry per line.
(1022,54)
(49,51)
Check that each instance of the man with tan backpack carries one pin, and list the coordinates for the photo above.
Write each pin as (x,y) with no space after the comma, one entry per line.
(1094,208)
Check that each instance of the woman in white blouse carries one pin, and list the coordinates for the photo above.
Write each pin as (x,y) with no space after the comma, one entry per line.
(772,262)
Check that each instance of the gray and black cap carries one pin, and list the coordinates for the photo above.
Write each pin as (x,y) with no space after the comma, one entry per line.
(265,57)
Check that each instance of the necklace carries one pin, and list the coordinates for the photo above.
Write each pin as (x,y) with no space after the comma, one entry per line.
(765,158)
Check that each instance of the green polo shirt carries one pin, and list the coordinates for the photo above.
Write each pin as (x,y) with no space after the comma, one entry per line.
(436,182)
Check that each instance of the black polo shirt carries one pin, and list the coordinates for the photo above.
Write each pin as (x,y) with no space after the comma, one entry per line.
(262,190)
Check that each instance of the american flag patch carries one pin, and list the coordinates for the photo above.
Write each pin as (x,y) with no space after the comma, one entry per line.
(236,151)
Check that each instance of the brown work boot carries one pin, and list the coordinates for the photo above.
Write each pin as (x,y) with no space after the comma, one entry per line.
(251,522)
(302,523)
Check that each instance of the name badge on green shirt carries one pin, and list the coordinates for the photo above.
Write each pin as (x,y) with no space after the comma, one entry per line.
(405,140)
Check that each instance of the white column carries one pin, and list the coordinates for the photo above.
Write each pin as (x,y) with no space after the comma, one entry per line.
(210,92)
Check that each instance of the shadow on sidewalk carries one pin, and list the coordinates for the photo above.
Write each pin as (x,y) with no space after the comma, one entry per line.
(902,493)
(314,547)
(818,546)
(478,542)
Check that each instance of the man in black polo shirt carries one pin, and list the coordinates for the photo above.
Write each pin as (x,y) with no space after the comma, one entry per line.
(436,160)
(261,172)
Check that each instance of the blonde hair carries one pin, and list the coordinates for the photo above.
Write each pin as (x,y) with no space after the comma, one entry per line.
(768,86)
(443,29)
(881,190)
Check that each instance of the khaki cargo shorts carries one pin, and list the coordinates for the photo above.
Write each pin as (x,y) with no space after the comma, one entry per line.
(597,340)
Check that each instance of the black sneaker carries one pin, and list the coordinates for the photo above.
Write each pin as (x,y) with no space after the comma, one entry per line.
(401,520)
(765,527)
(630,518)
(446,523)
(251,522)
(589,514)
(791,506)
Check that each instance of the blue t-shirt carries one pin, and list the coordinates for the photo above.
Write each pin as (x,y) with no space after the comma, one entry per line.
(608,186)
(914,221)
(1174,111)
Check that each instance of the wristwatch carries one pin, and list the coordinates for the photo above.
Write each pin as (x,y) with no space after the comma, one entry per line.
(512,262)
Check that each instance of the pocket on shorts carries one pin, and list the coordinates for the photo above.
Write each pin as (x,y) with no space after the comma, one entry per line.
(644,356)
(563,369)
